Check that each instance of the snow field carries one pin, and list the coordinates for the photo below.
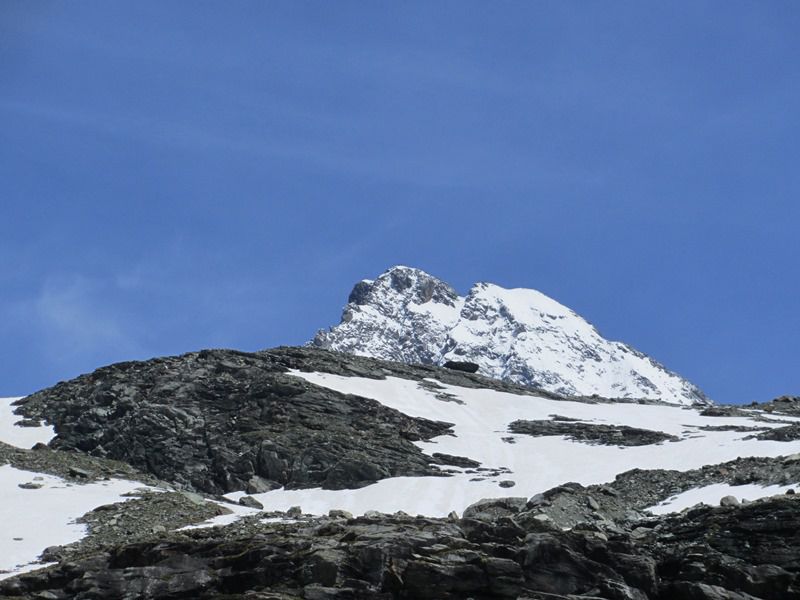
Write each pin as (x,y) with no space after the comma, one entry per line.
(536,464)
(33,519)
(712,494)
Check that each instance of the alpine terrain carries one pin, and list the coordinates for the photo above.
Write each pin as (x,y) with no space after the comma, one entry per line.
(378,463)
(516,335)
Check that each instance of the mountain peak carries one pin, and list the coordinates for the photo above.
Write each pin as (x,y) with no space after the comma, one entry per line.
(518,335)
(403,285)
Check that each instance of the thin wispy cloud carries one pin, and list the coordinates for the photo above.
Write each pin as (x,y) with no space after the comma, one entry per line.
(73,320)
(630,160)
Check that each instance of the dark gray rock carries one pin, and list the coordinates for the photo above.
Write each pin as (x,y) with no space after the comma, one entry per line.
(723,411)
(461,365)
(790,433)
(455,461)
(490,509)
(783,405)
(591,433)
(259,485)
(80,473)
(30,485)
(744,553)
(250,502)
(729,501)
(220,421)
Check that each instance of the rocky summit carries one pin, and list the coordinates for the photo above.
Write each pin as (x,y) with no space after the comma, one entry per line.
(517,335)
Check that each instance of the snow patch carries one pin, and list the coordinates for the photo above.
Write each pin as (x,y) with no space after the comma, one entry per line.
(535,463)
(237,511)
(21,437)
(33,519)
(712,494)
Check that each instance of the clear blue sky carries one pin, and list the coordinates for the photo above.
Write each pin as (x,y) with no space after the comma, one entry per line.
(179,175)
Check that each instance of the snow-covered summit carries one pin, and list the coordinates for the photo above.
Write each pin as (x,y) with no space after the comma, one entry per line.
(519,335)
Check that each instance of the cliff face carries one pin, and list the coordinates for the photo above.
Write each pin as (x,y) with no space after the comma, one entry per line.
(499,551)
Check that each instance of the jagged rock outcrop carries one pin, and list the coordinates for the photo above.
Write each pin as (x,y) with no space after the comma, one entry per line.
(516,335)
(592,433)
(221,420)
(744,552)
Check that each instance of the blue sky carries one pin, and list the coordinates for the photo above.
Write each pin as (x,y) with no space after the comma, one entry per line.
(180,175)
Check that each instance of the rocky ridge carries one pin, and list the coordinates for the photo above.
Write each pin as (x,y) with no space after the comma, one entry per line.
(591,433)
(190,420)
(222,420)
(708,553)
(518,335)
(218,421)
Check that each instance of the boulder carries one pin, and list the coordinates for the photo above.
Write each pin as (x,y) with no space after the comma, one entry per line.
(250,502)
(460,365)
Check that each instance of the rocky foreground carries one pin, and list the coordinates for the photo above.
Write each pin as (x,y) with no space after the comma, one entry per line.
(217,421)
(507,548)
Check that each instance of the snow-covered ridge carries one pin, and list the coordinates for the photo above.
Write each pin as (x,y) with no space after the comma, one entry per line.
(518,335)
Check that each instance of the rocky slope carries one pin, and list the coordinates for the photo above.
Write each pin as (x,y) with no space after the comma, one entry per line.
(219,421)
(338,432)
(516,335)
(496,550)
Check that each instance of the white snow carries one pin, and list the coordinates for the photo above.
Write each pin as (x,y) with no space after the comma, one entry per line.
(712,494)
(559,344)
(518,335)
(237,512)
(536,463)
(32,520)
(21,437)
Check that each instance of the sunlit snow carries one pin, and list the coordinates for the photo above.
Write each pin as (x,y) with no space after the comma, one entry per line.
(515,334)
(237,512)
(21,437)
(535,463)
(33,519)
(712,494)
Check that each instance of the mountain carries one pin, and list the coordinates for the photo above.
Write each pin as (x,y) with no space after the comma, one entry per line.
(302,473)
(308,473)
(516,335)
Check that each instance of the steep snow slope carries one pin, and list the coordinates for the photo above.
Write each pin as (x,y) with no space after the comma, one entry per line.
(481,421)
(519,335)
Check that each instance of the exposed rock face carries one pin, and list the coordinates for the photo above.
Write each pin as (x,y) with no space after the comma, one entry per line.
(789,433)
(632,492)
(786,405)
(515,335)
(751,551)
(460,365)
(592,433)
(220,420)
